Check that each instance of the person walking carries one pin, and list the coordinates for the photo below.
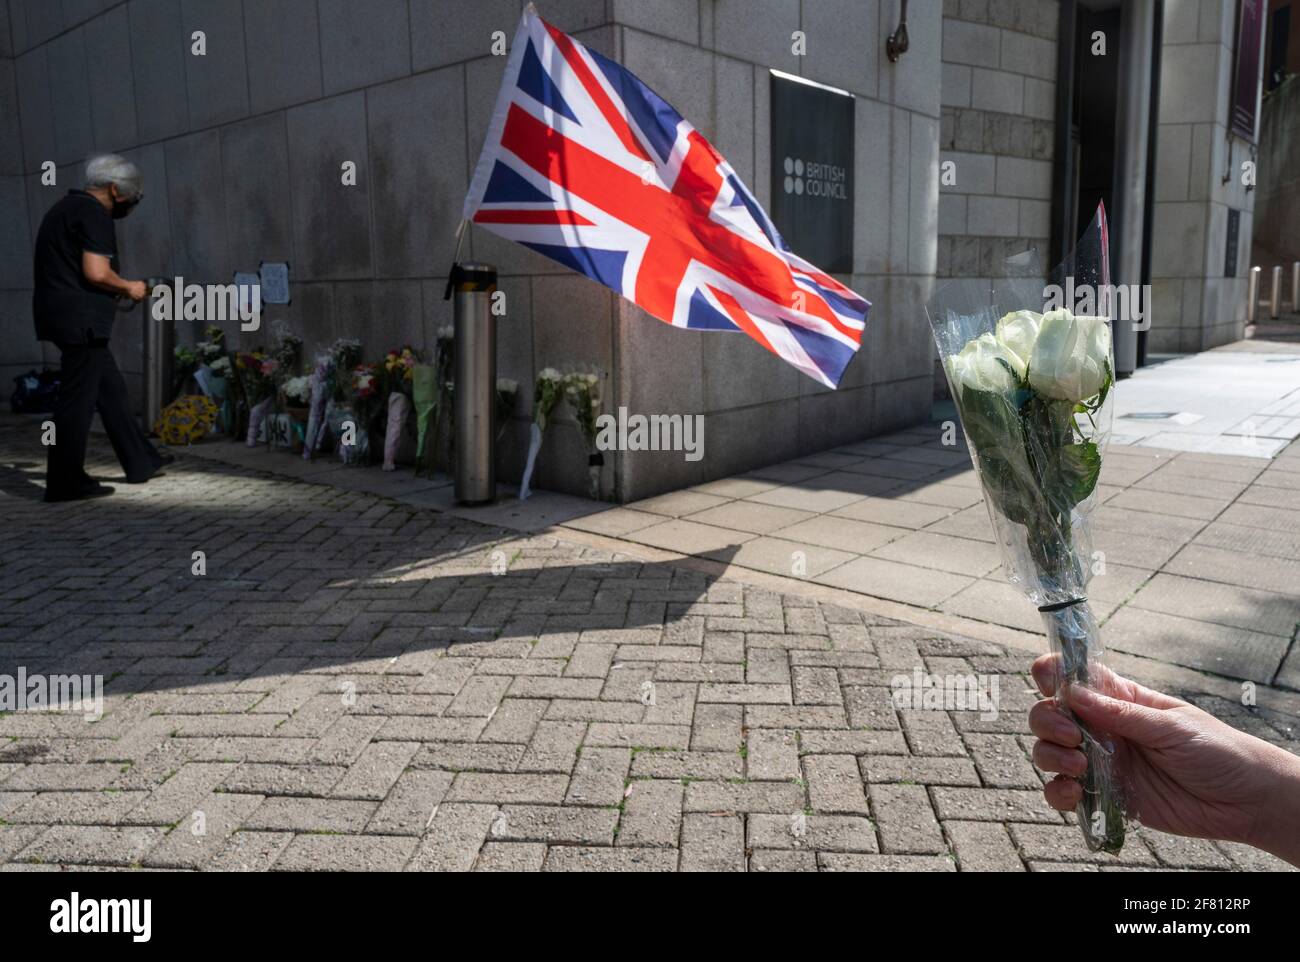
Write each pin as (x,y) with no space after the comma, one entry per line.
(74,306)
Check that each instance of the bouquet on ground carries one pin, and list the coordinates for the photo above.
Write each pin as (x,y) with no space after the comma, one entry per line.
(219,390)
(399,376)
(430,393)
(213,370)
(344,356)
(547,393)
(287,355)
(213,346)
(321,378)
(257,382)
(1032,390)
(296,392)
(354,436)
(582,391)
(185,362)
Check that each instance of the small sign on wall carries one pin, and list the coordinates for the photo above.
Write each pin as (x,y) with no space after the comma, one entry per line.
(812,170)
(1230,251)
(275,282)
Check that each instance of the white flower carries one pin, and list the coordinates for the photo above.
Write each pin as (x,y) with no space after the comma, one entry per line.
(982,365)
(1071,356)
(1017,332)
(221,366)
(446,333)
(507,386)
(298,388)
(549,374)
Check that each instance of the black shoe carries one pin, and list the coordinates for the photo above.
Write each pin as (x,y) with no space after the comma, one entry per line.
(165,459)
(85,493)
(156,473)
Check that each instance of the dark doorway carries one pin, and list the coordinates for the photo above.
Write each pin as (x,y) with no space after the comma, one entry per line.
(1094,110)
(1087,110)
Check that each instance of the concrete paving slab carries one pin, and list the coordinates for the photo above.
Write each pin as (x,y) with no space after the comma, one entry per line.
(689,537)
(841,533)
(1232,652)
(961,556)
(744,515)
(910,584)
(797,559)
(1221,604)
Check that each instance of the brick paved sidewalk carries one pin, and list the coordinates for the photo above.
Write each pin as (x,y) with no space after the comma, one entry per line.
(350,686)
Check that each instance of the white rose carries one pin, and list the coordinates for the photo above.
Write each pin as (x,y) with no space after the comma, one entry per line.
(1071,356)
(1017,332)
(548,374)
(983,365)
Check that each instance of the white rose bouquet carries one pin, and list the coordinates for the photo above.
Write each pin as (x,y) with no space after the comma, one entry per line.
(1031,390)
(547,393)
(582,391)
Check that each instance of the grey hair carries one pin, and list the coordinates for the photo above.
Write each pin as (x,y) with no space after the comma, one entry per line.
(105,169)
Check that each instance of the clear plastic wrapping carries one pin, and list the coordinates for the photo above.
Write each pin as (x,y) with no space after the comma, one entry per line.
(1030,369)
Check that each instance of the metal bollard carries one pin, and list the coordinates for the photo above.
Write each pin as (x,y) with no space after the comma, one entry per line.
(1275,295)
(474,394)
(1252,296)
(158,362)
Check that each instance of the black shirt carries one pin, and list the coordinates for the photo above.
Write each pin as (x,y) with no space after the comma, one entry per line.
(67,307)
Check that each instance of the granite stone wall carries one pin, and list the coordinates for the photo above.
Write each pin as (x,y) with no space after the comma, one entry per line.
(1197,301)
(999,105)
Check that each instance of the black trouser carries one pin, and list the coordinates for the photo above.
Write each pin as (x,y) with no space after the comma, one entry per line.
(90,381)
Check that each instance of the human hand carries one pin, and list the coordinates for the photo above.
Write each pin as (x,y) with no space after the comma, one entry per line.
(1182,770)
(137,290)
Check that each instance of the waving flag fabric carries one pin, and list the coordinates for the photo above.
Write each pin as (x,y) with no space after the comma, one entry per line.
(587,165)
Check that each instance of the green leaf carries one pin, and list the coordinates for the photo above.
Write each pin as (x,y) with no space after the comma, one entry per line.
(996,431)
(1079,467)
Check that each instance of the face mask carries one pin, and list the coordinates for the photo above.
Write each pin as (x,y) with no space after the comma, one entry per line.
(122,208)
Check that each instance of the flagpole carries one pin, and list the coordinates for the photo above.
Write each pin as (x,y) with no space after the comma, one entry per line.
(460,238)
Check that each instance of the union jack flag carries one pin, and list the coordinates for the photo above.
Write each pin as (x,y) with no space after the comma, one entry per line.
(588,166)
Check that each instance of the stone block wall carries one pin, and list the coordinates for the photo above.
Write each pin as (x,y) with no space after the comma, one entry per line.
(1198,303)
(999,105)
